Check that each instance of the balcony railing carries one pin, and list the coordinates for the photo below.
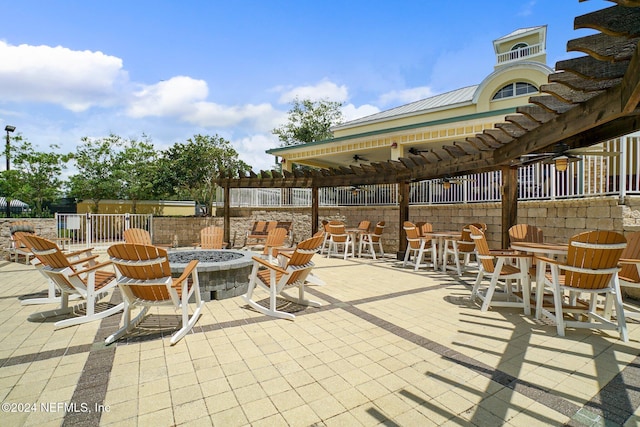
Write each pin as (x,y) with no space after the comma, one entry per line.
(520,53)
(615,174)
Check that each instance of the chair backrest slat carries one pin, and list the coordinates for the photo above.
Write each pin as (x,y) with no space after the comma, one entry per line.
(125,256)
(482,248)
(275,238)
(338,233)
(413,236)
(364,225)
(212,237)
(137,236)
(302,256)
(377,232)
(632,251)
(465,236)
(602,252)
(525,233)
(47,252)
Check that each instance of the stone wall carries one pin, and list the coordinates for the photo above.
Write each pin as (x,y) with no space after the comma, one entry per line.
(559,219)
(44,227)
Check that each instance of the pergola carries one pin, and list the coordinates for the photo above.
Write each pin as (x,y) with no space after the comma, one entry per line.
(587,100)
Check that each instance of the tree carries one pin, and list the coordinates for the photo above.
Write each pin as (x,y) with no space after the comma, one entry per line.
(189,170)
(309,121)
(40,175)
(99,176)
(137,163)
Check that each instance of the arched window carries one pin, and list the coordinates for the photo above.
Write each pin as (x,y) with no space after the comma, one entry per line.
(515,89)
(519,46)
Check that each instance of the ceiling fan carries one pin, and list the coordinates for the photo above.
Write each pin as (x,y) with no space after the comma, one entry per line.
(359,158)
(355,189)
(416,152)
(562,155)
(448,181)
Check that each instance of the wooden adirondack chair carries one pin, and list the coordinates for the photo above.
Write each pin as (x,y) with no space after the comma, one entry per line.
(339,238)
(592,269)
(276,279)
(18,247)
(51,298)
(463,248)
(145,281)
(525,233)
(212,237)
(137,236)
(494,265)
(275,240)
(260,230)
(419,247)
(369,240)
(91,282)
(629,275)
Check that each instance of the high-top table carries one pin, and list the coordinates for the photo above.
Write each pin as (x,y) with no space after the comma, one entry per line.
(442,237)
(549,249)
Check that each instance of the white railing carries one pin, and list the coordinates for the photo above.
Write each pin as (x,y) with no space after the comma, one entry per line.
(615,174)
(99,231)
(523,52)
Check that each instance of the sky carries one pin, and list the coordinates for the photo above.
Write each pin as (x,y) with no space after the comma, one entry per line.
(174,69)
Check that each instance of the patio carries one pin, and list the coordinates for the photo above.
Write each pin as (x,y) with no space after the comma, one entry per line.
(390,346)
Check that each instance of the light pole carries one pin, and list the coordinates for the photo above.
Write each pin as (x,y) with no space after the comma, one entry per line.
(9,129)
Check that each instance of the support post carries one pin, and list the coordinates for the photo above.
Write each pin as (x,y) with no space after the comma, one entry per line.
(509,201)
(315,212)
(403,204)
(227,215)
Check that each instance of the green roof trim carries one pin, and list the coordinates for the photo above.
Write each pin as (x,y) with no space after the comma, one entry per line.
(501,112)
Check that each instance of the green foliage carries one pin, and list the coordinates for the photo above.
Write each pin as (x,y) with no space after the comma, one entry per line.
(99,176)
(118,168)
(188,171)
(138,164)
(36,177)
(309,121)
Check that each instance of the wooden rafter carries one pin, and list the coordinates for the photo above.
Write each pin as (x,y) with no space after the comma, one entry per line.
(589,98)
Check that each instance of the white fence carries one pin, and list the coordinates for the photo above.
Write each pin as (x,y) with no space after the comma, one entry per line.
(594,175)
(99,231)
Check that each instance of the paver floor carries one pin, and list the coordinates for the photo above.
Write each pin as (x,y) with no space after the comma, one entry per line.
(389,346)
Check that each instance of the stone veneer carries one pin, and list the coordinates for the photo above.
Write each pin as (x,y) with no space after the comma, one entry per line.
(559,220)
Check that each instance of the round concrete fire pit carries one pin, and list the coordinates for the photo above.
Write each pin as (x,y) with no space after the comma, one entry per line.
(222,273)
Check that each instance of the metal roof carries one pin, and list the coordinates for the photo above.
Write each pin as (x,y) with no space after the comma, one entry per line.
(518,32)
(437,102)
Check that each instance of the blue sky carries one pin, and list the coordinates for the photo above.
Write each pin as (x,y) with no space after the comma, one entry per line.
(173,69)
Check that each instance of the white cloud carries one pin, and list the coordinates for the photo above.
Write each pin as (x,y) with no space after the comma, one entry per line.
(184,98)
(351,112)
(320,91)
(77,80)
(405,96)
(174,97)
(251,150)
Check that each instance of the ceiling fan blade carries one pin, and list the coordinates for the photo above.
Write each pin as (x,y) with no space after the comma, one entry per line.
(538,154)
(594,153)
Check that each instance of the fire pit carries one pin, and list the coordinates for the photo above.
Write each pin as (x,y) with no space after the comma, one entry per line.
(222,273)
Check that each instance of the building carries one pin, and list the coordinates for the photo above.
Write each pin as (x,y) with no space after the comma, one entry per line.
(431,125)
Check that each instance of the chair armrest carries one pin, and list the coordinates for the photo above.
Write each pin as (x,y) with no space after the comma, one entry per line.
(547,259)
(78,252)
(508,253)
(92,268)
(267,264)
(187,271)
(83,260)
(629,261)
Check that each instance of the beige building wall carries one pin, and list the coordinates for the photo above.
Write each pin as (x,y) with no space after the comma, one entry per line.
(154,207)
